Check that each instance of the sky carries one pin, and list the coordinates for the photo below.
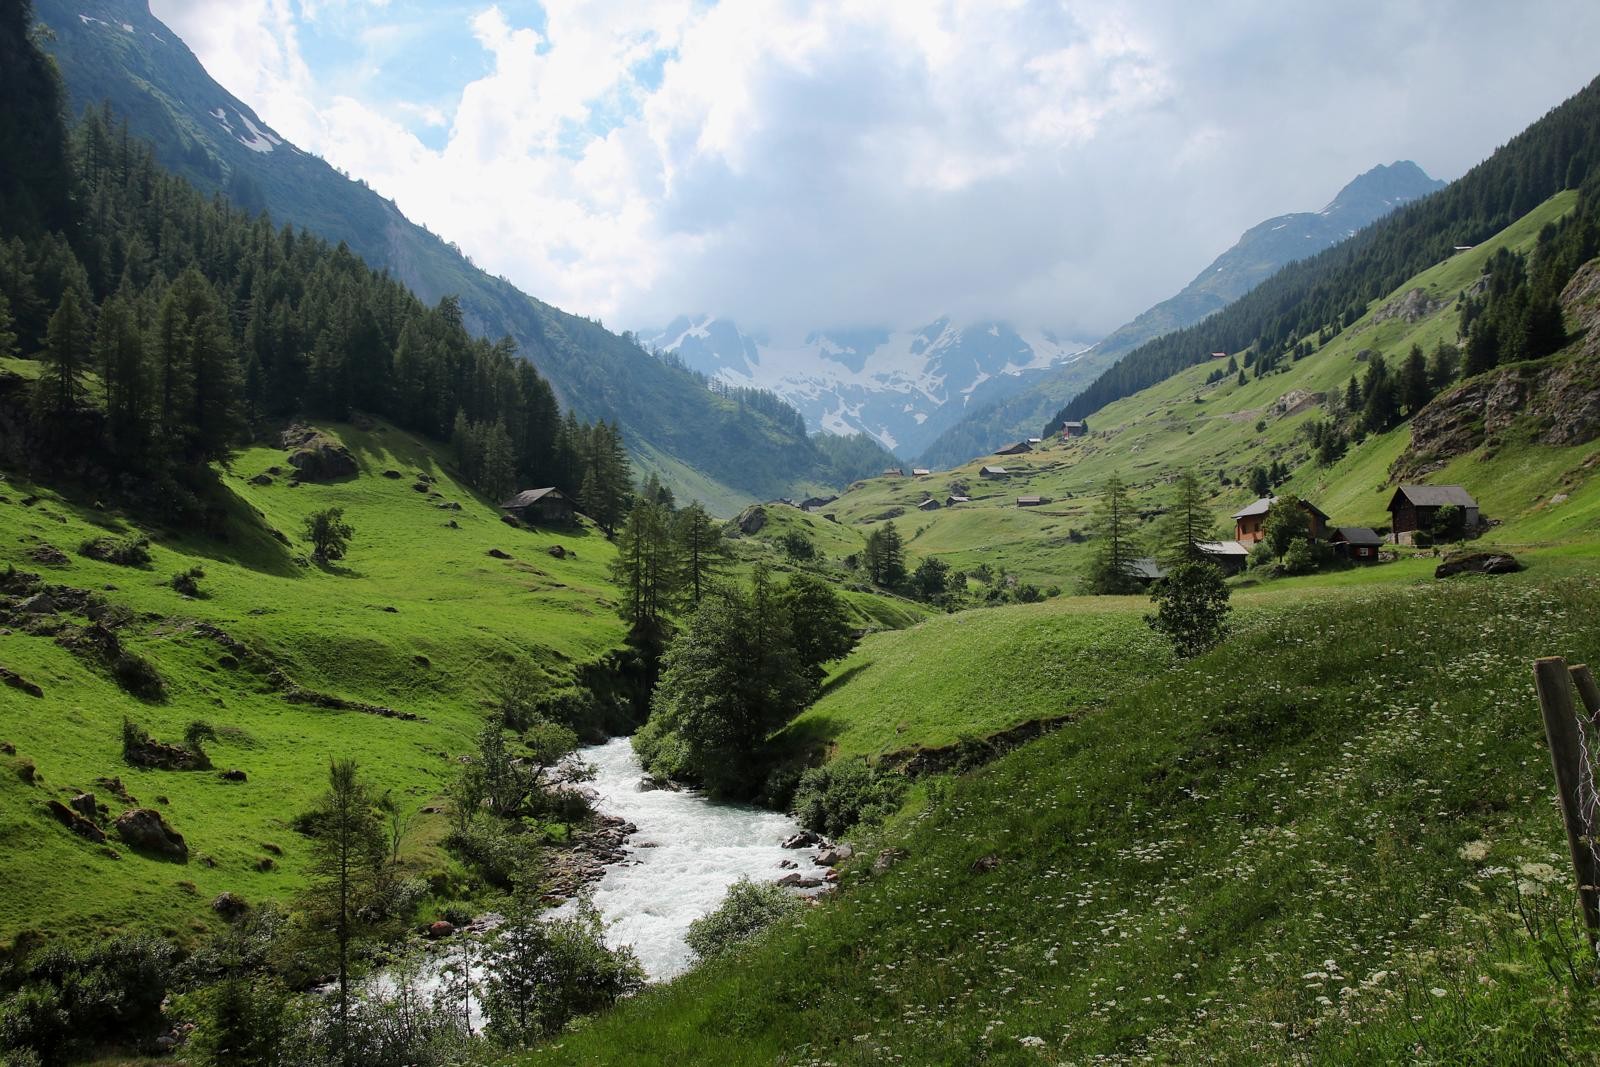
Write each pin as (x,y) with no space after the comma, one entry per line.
(803,165)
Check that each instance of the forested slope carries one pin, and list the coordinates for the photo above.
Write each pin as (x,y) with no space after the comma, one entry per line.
(1327,292)
(667,416)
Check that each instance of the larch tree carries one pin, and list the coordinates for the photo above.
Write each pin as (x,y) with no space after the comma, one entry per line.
(1111,569)
(702,550)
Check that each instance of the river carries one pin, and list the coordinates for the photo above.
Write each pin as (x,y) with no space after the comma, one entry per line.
(688,851)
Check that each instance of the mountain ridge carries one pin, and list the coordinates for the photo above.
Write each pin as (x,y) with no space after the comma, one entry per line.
(1260,251)
(121,53)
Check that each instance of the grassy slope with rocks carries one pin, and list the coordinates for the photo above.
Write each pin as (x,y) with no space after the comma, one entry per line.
(1300,846)
(1183,422)
(419,618)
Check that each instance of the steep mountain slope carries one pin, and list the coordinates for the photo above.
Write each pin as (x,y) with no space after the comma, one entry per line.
(116,51)
(1260,251)
(901,386)
(1317,296)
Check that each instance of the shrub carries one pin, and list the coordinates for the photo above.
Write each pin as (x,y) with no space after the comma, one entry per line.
(123,551)
(1191,608)
(70,998)
(328,533)
(798,547)
(837,796)
(138,676)
(497,853)
(747,910)
(188,582)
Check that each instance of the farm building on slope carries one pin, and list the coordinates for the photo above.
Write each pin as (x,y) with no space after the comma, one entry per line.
(1014,450)
(1249,522)
(1356,542)
(548,506)
(1416,507)
(991,472)
(1074,429)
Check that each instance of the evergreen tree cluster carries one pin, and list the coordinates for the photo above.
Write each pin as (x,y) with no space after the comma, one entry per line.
(667,560)
(1324,293)
(169,326)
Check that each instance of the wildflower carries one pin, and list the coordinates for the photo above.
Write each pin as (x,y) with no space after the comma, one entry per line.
(1031,1042)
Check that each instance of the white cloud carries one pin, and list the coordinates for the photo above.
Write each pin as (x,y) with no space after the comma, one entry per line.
(835,163)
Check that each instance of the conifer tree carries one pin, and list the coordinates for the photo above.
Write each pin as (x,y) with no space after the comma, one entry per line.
(125,377)
(1189,522)
(66,358)
(8,333)
(1111,569)
(646,567)
(702,550)
(1415,387)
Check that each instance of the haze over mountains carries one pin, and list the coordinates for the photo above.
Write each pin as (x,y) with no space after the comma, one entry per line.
(945,392)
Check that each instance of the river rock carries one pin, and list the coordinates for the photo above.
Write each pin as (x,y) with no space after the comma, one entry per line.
(787,865)
(440,929)
(796,880)
(145,830)
(804,839)
(836,854)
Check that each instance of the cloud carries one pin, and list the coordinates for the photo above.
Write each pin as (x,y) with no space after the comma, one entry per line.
(803,164)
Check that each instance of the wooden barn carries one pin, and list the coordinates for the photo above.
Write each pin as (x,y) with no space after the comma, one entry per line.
(952,500)
(1014,450)
(540,507)
(1249,522)
(1356,542)
(991,472)
(1029,501)
(894,472)
(920,472)
(1415,507)
(929,504)
(1074,429)
(1231,556)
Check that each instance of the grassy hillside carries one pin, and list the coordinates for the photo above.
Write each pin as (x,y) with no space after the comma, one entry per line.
(1304,846)
(1183,422)
(419,618)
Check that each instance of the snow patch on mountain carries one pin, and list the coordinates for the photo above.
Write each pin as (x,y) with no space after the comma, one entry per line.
(901,386)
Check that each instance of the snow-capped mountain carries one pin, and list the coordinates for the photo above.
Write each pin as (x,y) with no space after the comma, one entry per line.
(901,386)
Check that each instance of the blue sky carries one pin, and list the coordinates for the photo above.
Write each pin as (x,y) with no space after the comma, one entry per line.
(801,164)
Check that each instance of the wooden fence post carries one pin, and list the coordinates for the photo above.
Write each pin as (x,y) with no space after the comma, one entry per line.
(1583,678)
(1554,683)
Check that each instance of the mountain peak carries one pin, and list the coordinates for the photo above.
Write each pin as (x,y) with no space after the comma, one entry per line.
(1382,189)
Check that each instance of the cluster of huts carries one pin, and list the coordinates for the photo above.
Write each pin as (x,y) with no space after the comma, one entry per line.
(1413,508)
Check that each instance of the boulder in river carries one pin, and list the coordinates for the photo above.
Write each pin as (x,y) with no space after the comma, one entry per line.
(796,880)
(804,839)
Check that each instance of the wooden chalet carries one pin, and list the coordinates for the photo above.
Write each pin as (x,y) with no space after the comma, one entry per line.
(894,472)
(1029,501)
(952,500)
(540,507)
(1356,542)
(1249,522)
(1074,429)
(1014,450)
(929,504)
(1415,507)
(1036,440)
(920,472)
(992,472)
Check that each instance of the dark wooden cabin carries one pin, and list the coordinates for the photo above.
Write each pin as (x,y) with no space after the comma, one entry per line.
(540,507)
(1415,507)
(1356,542)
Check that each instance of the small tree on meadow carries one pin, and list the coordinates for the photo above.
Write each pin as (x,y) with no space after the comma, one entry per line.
(1191,608)
(1286,523)
(328,533)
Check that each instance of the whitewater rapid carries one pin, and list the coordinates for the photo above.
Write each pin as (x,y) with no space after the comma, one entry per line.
(687,852)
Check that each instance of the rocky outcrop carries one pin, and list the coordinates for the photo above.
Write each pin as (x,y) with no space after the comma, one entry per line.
(75,821)
(1413,306)
(1477,563)
(1553,402)
(16,681)
(316,457)
(752,519)
(591,852)
(146,831)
